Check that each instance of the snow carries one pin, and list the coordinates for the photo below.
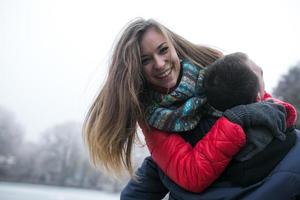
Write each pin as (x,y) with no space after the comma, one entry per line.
(17,191)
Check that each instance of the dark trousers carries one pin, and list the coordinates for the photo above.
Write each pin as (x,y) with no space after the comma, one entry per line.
(148,184)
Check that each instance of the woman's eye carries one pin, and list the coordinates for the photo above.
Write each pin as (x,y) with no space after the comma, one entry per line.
(163,50)
(145,61)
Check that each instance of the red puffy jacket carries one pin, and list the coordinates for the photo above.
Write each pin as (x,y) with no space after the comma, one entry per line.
(195,168)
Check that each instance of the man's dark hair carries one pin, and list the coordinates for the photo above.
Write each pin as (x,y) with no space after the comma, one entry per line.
(229,82)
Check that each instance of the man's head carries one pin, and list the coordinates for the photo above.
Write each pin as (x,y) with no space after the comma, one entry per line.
(233,80)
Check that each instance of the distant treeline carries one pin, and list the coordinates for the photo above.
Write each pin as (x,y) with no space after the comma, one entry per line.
(59,158)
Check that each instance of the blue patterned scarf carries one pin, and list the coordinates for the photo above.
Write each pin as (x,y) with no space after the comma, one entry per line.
(182,109)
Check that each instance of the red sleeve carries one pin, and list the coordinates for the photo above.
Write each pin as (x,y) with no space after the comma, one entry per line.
(196,168)
(291,111)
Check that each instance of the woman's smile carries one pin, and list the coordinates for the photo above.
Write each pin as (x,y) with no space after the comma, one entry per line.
(164,74)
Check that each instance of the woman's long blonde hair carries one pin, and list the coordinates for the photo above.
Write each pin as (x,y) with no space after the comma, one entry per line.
(111,122)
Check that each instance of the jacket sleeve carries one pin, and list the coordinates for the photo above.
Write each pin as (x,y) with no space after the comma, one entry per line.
(195,168)
(291,111)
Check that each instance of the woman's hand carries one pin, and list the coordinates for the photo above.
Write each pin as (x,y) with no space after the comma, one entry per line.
(291,111)
(267,114)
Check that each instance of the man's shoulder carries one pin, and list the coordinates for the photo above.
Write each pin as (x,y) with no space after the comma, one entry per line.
(291,161)
(297,131)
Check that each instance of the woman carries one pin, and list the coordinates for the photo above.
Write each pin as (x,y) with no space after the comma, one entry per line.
(147,57)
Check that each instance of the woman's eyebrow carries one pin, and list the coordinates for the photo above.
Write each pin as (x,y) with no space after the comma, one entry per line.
(143,56)
(158,47)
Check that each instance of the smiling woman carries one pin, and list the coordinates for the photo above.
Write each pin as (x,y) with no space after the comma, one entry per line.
(145,50)
(161,66)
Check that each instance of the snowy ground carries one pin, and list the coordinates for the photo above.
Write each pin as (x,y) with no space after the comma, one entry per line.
(15,191)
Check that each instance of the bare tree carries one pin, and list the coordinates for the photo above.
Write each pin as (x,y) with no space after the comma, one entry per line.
(11,139)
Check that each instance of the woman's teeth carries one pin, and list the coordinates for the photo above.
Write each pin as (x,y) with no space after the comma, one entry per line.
(164,74)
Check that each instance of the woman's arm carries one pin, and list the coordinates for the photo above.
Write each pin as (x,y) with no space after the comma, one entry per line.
(196,168)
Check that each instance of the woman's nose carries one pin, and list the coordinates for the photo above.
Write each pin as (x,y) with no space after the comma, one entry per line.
(159,62)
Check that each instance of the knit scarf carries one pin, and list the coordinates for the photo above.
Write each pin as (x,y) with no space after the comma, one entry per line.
(182,109)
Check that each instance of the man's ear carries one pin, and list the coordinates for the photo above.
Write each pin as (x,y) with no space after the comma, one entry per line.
(258,97)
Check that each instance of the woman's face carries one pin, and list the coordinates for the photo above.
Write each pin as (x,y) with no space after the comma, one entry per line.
(161,65)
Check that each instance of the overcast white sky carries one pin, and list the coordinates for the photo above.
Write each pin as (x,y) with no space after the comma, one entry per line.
(53,52)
